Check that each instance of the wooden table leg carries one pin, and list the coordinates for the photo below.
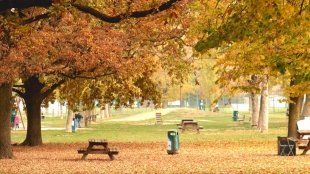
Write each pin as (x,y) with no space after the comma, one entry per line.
(86,153)
(304,152)
(306,149)
(111,156)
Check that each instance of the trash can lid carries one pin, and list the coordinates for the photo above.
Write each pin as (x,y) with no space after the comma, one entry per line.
(172,130)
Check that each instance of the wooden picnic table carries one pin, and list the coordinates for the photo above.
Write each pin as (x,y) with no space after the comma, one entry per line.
(98,142)
(184,119)
(303,143)
(191,125)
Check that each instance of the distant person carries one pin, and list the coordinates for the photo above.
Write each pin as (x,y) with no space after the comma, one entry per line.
(216,109)
(42,116)
(13,115)
(16,121)
(287,112)
(78,118)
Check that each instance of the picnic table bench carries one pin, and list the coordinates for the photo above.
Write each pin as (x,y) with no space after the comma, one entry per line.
(98,142)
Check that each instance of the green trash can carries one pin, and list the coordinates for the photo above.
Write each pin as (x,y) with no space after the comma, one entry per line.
(173,144)
(235,116)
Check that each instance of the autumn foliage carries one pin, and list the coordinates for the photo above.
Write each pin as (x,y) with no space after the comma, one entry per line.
(112,47)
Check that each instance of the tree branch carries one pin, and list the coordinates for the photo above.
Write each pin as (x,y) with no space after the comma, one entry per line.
(21,94)
(36,18)
(86,77)
(8,4)
(51,89)
(301,6)
(118,18)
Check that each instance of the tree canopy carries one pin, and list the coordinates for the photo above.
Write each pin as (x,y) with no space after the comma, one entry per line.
(114,46)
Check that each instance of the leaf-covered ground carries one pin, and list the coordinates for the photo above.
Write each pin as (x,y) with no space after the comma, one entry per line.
(207,157)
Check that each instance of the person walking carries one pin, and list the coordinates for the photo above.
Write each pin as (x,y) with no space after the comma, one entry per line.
(16,121)
(78,117)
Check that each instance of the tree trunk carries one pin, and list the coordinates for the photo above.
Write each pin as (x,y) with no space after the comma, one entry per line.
(5,92)
(5,121)
(60,108)
(294,111)
(101,114)
(250,103)
(165,104)
(306,107)
(294,114)
(301,98)
(255,107)
(33,137)
(264,107)
(253,81)
(33,100)
(69,121)
(106,111)
(109,110)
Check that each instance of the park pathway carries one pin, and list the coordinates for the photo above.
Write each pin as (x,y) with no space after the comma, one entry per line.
(145,116)
(136,117)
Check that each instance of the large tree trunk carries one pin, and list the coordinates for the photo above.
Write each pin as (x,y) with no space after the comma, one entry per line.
(294,111)
(5,121)
(264,107)
(33,100)
(165,104)
(69,121)
(107,111)
(5,92)
(254,107)
(306,107)
(253,81)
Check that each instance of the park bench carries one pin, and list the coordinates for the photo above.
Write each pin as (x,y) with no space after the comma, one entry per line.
(254,126)
(110,151)
(248,122)
(241,119)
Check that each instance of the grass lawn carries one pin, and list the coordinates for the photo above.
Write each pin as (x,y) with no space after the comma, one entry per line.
(217,126)
(223,146)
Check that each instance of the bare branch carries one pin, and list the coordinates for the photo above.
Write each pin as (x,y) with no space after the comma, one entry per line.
(118,18)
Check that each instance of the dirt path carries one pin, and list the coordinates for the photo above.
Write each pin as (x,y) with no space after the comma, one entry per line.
(145,116)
